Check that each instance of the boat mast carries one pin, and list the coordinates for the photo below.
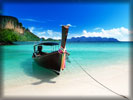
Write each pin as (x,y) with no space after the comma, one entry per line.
(64,35)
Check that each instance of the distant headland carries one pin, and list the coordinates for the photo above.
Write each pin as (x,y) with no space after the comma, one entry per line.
(92,39)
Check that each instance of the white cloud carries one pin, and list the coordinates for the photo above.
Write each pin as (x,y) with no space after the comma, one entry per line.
(31,20)
(53,34)
(70,25)
(45,33)
(43,37)
(97,28)
(31,29)
(37,31)
(56,37)
(41,33)
(50,32)
(121,33)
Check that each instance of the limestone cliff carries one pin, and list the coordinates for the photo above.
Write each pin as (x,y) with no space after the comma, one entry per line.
(8,22)
(12,30)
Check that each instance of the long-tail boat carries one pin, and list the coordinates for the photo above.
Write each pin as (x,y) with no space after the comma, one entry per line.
(54,60)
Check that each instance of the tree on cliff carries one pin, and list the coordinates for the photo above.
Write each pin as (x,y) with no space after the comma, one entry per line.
(7,35)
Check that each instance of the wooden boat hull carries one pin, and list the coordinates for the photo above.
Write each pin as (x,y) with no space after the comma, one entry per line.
(54,59)
(50,61)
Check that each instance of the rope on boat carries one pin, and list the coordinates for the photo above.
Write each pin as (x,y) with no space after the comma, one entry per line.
(99,82)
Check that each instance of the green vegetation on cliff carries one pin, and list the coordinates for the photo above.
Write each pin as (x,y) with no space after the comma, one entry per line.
(8,35)
(12,30)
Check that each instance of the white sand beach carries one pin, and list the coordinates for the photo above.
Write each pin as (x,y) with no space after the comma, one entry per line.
(77,83)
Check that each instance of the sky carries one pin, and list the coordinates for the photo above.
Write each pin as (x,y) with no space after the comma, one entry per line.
(84,19)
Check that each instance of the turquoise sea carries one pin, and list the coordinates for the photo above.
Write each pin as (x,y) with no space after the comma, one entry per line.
(19,67)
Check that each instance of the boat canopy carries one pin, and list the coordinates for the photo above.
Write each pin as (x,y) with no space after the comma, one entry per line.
(49,43)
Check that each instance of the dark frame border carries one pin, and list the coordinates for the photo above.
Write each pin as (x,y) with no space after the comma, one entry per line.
(71,1)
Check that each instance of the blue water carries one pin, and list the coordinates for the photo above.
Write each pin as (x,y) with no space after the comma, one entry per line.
(19,66)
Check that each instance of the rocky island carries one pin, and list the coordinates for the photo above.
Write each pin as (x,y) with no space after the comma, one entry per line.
(92,39)
(12,30)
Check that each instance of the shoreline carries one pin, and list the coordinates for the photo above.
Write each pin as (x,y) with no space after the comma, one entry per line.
(23,42)
(6,43)
(77,84)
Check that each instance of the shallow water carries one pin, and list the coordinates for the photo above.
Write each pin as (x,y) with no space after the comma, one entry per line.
(19,67)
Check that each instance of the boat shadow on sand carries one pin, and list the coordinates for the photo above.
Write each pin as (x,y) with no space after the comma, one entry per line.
(32,69)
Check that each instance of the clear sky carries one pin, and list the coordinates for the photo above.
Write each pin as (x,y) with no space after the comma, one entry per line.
(85,19)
